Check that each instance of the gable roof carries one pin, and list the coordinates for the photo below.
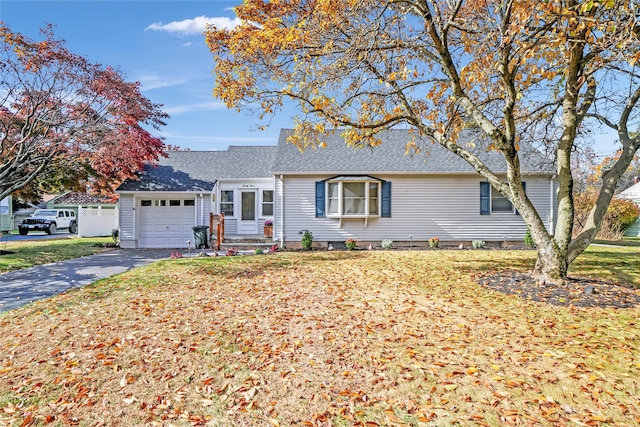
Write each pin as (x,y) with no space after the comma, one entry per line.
(390,158)
(200,170)
(78,198)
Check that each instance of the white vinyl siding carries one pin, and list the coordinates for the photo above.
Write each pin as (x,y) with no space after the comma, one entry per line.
(423,207)
(127,221)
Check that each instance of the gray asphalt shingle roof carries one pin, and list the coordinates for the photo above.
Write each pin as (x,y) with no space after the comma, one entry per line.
(199,170)
(389,157)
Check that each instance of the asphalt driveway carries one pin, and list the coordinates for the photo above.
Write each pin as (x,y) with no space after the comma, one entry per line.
(20,287)
(36,235)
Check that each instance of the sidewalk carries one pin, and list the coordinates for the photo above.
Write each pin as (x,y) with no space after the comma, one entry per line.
(20,287)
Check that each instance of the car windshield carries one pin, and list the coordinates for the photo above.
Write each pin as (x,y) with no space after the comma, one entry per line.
(46,212)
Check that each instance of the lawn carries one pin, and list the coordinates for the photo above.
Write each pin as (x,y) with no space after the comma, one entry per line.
(342,338)
(34,252)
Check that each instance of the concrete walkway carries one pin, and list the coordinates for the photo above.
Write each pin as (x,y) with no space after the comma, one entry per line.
(20,287)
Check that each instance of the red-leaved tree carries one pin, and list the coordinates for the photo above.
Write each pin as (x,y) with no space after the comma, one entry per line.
(67,121)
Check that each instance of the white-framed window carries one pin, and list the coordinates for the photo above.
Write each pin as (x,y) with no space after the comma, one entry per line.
(499,203)
(493,202)
(353,199)
(226,202)
(267,202)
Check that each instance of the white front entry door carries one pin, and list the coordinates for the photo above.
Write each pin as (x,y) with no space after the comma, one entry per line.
(248,216)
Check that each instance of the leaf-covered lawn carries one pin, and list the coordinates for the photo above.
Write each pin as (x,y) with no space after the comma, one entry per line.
(323,338)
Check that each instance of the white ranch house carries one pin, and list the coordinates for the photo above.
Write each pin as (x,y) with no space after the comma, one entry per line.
(337,193)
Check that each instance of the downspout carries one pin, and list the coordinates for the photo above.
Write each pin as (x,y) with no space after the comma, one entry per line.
(281,228)
(551,205)
(212,198)
(201,209)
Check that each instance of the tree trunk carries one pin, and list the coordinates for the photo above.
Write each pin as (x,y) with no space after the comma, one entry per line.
(551,265)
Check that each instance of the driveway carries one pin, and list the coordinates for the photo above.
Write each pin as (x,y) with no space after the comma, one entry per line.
(20,287)
(36,235)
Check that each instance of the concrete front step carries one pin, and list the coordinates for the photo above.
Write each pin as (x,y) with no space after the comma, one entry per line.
(246,243)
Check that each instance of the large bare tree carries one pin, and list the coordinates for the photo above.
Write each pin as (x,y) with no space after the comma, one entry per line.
(544,72)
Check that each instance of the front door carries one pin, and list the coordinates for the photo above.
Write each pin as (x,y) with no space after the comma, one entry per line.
(248,218)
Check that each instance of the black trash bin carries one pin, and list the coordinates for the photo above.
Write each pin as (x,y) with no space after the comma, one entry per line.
(200,236)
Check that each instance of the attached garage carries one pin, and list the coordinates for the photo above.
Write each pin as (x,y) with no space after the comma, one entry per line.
(166,223)
(161,208)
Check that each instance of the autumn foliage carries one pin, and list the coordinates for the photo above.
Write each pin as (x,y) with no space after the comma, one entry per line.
(66,121)
(622,213)
(541,72)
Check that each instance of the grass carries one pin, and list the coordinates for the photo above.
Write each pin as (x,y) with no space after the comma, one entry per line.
(35,252)
(343,338)
(626,241)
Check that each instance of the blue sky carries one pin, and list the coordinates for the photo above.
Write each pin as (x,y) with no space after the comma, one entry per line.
(159,44)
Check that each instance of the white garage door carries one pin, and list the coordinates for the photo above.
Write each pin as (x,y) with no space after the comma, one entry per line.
(166,223)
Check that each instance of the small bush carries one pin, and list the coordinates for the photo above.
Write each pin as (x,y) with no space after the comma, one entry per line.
(387,243)
(434,242)
(307,239)
(477,244)
(351,244)
(528,240)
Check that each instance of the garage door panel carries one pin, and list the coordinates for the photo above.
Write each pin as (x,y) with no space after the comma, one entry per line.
(179,215)
(146,228)
(159,228)
(176,242)
(166,226)
(174,228)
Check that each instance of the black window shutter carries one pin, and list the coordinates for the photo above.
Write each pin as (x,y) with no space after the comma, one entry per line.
(320,199)
(485,198)
(386,200)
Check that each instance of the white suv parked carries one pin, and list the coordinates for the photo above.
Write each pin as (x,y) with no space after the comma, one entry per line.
(49,220)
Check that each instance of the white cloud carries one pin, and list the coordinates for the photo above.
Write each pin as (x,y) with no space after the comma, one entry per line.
(197,106)
(196,25)
(150,82)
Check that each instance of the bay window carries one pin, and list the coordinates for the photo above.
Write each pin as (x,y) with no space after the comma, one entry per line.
(353,199)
